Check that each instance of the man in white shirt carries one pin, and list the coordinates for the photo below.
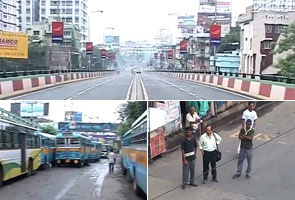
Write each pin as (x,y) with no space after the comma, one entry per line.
(112,160)
(192,119)
(251,114)
(208,149)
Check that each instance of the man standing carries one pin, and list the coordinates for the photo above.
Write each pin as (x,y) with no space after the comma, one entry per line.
(112,160)
(189,154)
(208,149)
(246,136)
(192,119)
(250,114)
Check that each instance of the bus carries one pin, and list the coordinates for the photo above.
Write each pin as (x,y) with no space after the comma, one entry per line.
(20,151)
(134,154)
(48,148)
(95,151)
(72,148)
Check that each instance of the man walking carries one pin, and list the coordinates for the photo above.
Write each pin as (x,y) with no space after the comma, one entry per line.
(246,136)
(208,147)
(112,160)
(189,153)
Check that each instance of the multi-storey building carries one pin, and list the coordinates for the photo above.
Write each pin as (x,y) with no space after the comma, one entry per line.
(69,11)
(8,15)
(259,32)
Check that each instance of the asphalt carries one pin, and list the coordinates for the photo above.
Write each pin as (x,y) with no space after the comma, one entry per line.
(70,183)
(273,174)
(119,87)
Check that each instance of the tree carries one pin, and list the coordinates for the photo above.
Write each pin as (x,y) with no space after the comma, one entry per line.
(49,129)
(129,112)
(232,37)
(287,45)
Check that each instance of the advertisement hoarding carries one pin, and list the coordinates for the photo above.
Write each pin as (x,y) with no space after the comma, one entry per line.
(170,54)
(89,48)
(156,56)
(57,32)
(215,34)
(13,45)
(73,116)
(32,109)
(183,46)
(103,53)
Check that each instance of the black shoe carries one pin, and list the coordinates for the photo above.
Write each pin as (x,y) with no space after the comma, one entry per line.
(236,176)
(204,181)
(183,187)
(248,176)
(193,184)
(215,180)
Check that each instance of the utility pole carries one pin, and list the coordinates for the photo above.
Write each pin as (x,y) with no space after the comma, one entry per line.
(215,16)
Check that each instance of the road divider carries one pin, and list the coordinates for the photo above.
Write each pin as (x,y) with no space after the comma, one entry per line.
(136,89)
(10,87)
(255,88)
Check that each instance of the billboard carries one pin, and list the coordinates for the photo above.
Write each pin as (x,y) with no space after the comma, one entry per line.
(186,23)
(73,116)
(205,20)
(170,54)
(89,48)
(223,7)
(103,53)
(13,45)
(112,39)
(183,46)
(215,34)
(30,109)
(156,56)
(57,32)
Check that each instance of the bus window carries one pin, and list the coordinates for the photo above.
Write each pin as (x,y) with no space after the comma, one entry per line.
(6,140)
(33,142)
(15,141)
(74,142)
(60,142)
(1,141)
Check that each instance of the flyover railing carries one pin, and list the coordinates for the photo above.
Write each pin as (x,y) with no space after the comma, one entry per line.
(274,78)
(37,72)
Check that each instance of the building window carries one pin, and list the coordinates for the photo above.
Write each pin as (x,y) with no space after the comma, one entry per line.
(279,29)
(268,28)
(43,3)
(36,33)
(43,11)
(266,44)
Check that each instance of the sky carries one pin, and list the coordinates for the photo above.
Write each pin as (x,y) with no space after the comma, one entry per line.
(100,111)
(139,20)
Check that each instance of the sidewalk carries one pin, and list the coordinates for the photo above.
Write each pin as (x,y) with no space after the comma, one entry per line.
(272,176)
(117,187)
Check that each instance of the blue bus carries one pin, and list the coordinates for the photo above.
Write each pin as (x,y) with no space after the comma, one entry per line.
(72,148)
(134,154)
(48,148)
(95,151)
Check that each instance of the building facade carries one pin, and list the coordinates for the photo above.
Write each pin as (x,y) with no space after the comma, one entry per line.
(69,11)
(9,15)
(259,32)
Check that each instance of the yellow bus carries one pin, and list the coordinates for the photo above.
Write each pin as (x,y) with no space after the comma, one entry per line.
(20,151)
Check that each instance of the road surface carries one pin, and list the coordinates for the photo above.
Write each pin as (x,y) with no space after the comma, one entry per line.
(128,86)
(70,183)
(273,174)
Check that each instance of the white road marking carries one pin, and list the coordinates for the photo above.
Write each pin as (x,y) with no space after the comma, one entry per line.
(144,89)
(130,87)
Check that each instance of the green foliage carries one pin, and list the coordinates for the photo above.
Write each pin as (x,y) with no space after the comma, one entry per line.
(129,112)
(232,37)
(287,44)
(49,129)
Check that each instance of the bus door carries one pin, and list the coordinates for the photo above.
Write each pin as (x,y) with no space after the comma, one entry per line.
(23,146)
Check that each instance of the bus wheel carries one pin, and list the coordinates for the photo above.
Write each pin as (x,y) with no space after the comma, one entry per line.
(30,168)
(1,176)
(129,177)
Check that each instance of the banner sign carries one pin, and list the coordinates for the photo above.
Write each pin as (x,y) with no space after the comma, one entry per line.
(89,48)
(170,54)
(156,56)
(103,53)
(157,142)
(215,34)
(183,46)
(13,45)
(57,32)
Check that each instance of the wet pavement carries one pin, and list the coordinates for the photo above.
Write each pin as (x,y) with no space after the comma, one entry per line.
(66,183)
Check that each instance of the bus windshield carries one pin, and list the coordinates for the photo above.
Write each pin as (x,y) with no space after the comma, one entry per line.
(74,142)
(60,142)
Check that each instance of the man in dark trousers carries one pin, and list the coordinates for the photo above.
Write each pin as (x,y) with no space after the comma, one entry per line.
(189,153)
(246,137)
(208,149)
